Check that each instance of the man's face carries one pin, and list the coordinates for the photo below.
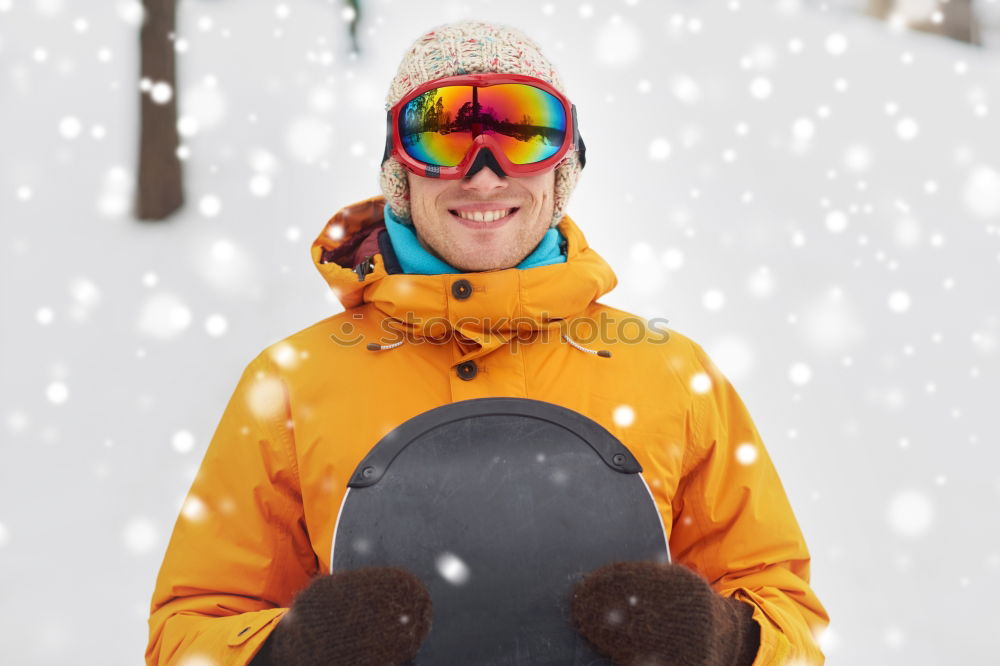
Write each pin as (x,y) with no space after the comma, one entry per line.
(437,207)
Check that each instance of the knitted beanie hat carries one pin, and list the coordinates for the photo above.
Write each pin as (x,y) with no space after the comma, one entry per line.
(469,47)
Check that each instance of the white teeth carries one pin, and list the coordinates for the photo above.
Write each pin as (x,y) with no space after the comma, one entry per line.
(481,216)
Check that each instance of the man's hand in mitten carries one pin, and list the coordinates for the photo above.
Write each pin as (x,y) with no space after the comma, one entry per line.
(373,616)
(650,614)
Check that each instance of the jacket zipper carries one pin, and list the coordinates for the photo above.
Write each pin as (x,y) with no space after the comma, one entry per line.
(366,266)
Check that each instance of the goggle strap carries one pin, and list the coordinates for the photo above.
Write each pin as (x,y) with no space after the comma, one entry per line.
(388,136)
(581,148)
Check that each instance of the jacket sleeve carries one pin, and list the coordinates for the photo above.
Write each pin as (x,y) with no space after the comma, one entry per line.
(239,549)
(733,524)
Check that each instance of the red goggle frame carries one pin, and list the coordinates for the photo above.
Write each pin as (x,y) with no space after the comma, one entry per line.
(472,129)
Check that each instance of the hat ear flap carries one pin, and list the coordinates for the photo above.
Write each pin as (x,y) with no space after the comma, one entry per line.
(567,173)
(396,188)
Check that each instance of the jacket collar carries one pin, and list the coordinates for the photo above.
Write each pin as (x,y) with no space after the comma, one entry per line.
(501,302)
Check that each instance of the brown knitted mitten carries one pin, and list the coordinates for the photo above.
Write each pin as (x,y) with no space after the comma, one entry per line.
(652,614)
(364,617)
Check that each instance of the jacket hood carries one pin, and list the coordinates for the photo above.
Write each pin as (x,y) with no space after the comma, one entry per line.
(348,256)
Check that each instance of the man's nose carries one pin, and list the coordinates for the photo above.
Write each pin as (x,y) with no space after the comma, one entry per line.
(484,180)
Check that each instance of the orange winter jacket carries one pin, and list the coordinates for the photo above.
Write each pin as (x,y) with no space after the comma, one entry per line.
(259,519)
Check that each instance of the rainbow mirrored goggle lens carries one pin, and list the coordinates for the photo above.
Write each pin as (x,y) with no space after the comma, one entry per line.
(439,126)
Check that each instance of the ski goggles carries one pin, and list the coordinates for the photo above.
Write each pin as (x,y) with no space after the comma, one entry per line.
(453,126)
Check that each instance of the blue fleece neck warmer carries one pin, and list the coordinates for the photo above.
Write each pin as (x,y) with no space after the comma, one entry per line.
(413,258)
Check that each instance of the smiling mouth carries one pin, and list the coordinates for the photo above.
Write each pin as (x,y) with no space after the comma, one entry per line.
(485,216)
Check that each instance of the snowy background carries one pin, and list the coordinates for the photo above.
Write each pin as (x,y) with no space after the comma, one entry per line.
(812,195)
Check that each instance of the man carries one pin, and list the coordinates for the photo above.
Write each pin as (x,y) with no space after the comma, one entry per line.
(467,280)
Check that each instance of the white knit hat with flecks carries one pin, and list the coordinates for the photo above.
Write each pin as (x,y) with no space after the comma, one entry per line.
(469,47)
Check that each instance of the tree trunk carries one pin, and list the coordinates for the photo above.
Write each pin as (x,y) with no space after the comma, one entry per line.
(353,26)
(159,190)
(960,21)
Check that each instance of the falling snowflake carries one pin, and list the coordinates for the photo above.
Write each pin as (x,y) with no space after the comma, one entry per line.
(623,415)
(452,568)
(910,513)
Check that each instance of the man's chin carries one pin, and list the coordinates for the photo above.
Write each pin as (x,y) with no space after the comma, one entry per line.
(480,264)
(479,254)
(477,268)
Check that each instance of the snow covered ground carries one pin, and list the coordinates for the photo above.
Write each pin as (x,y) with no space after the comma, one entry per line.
(811,195)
